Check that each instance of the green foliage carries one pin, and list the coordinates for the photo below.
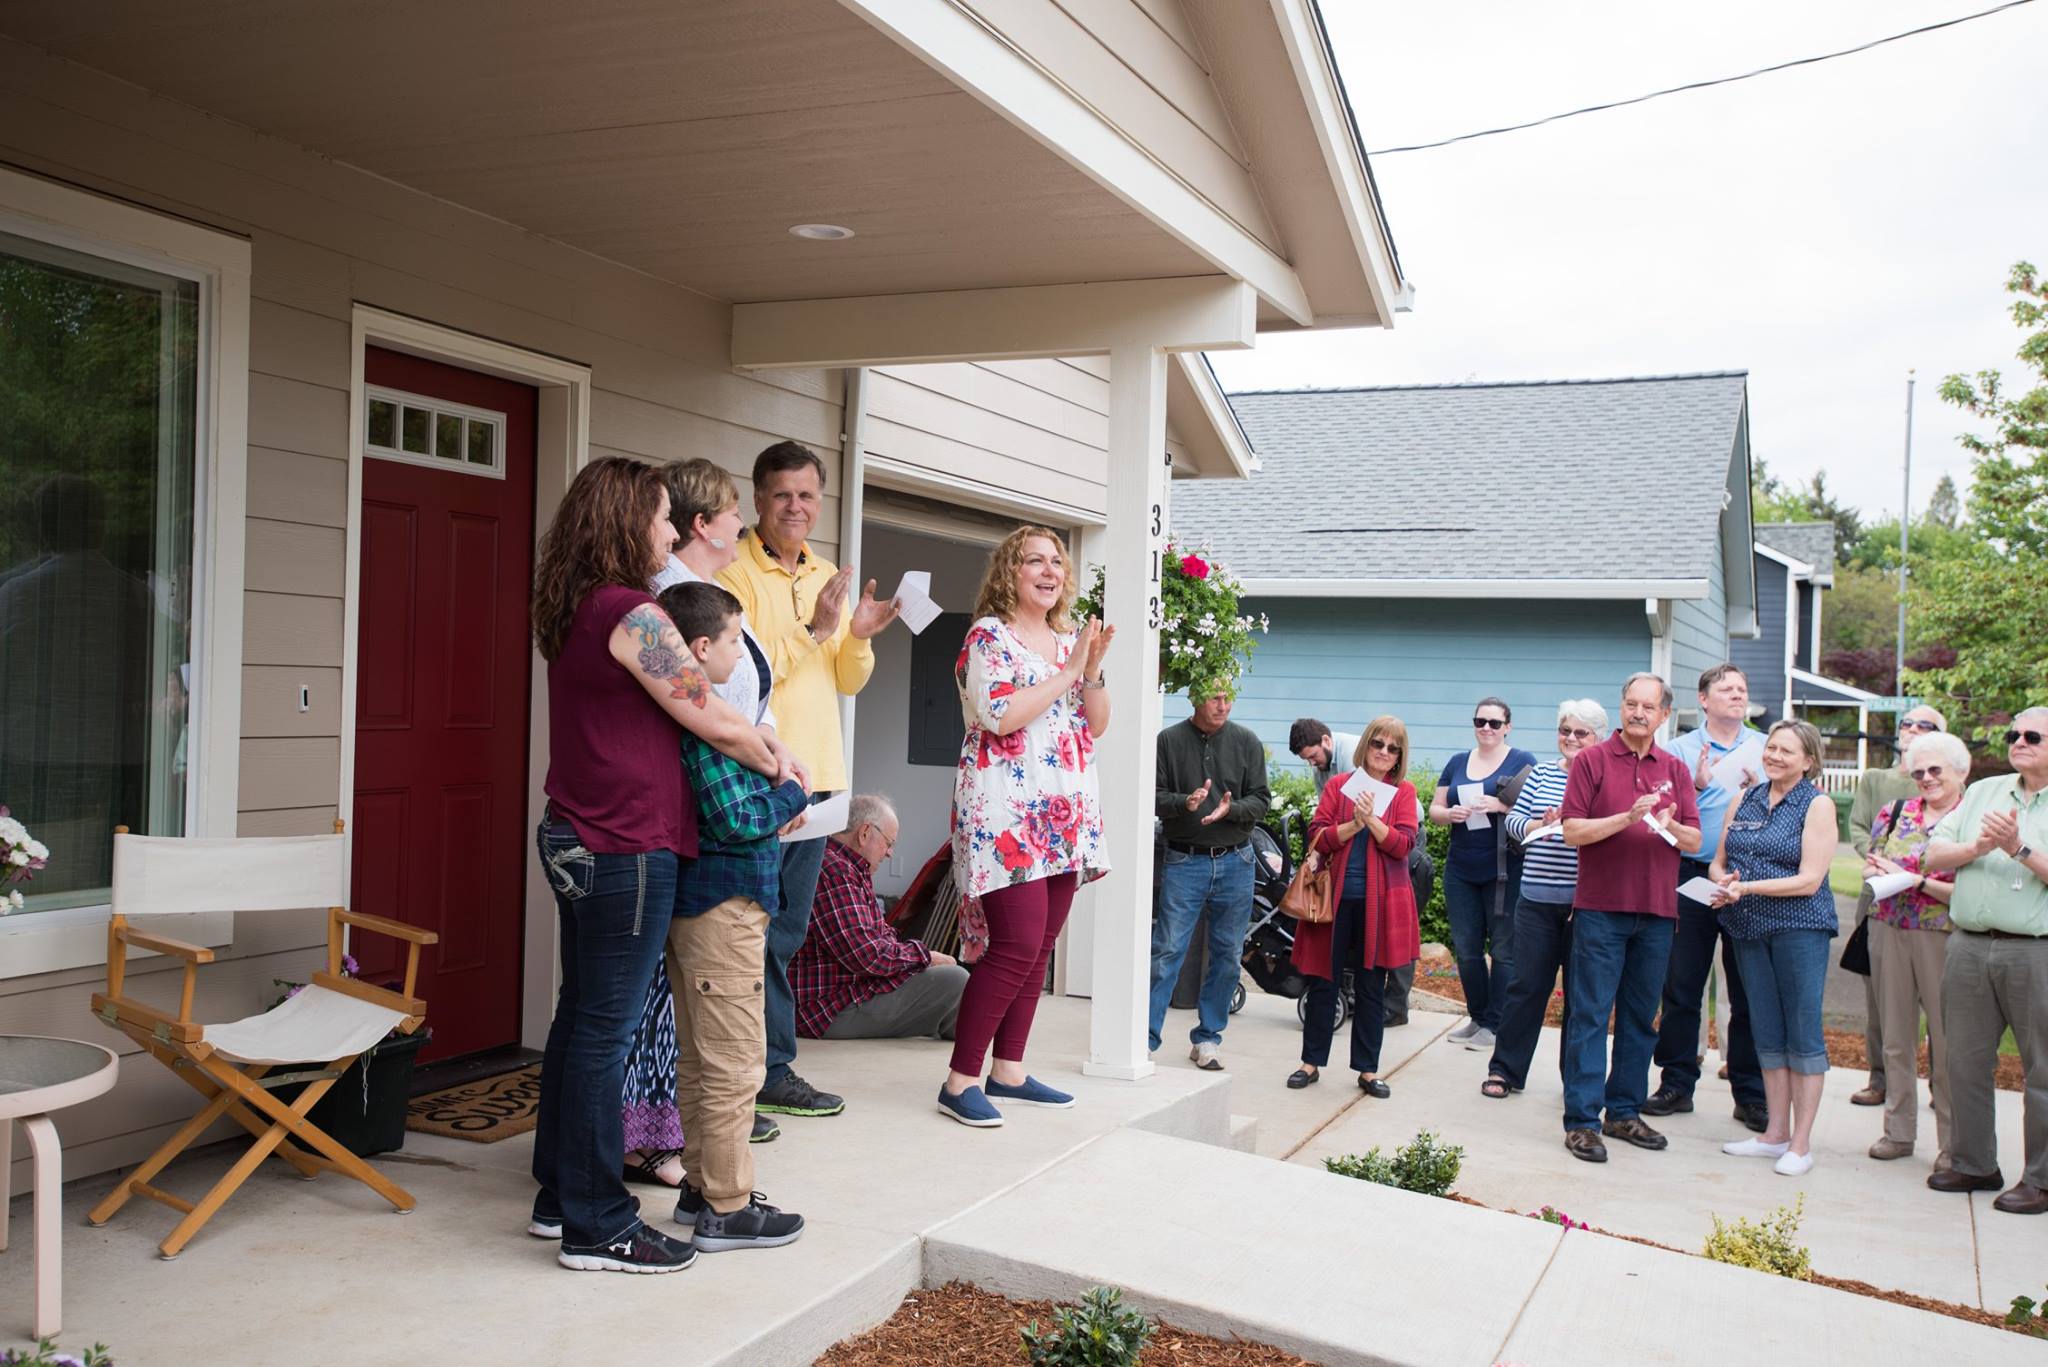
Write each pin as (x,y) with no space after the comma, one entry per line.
(1294,797)
(1772,500)
(1205,643)
(1771,1246)
(1295,792)
(1944,506)
(45,1354)
(1424,1165)
(1862,611)
(1100,1332)
(2029,1316)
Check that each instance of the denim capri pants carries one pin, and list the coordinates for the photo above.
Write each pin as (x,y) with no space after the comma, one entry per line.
(1784,974)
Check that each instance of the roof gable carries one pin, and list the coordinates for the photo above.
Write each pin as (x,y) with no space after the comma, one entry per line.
(1812,543)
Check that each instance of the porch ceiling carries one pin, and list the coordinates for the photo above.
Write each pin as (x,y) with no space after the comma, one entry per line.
(679,137)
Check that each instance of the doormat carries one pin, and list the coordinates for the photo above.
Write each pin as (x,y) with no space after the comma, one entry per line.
(482,1112)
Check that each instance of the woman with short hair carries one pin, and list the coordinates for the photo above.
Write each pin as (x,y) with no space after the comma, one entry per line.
(1779,913)
(1481,872)
(1909,943)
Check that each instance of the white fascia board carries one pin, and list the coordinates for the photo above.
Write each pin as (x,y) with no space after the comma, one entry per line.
(891,473)
(1848,691)
(949,40)
(1218,414)
(1182,313)
(1475,588)
(1799,568)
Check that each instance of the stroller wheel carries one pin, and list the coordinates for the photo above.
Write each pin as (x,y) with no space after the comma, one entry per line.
(1237,998)
(1343,1009)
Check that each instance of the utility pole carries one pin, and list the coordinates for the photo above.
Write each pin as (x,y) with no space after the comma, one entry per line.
(1905,529)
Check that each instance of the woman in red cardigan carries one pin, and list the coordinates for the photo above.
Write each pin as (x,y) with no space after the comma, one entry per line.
(1374,930)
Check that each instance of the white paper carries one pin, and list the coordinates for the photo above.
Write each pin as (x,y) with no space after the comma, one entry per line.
(1650,820)
(914,600)
(1890,884)
(1361,784)
(1469,794)
(826,818)
(1536,833)
(1728,770)
(1699,890)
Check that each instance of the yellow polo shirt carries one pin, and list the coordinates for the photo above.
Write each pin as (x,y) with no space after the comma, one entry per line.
(809,675)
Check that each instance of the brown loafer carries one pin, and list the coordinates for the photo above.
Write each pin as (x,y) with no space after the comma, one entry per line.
(2023,1200)
(1586,1145)
(1887,1148)
(1869,1096)
(1953,1180)
(1634,1131)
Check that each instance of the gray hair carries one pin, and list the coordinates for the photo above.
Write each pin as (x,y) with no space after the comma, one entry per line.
(1585,710)
(1943,748)
(1939,720)
(869,809)
(2038,710)
(1809,740)
(1663,688)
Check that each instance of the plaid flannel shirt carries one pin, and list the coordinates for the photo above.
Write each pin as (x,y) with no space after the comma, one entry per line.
(851,954)
(738,814)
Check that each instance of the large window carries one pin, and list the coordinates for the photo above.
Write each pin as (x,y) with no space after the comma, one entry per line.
(99,386)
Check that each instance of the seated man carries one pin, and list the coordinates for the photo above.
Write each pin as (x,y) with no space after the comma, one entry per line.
(855,977)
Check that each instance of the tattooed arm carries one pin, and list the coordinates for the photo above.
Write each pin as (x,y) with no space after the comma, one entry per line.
(647,645)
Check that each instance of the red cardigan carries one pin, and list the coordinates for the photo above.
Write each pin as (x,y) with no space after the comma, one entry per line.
(1391,935)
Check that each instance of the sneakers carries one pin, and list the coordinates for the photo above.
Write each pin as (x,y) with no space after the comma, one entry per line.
(791,1095)
(540,1227)
(765,1129)
(1755,1148)
(1031,1092)
(1207,1057)
(1481,1039)
(1753,1116)
(1887,1148)
(1585,1145)
(1667,1101)
(1791,1164)
(1463,1032)
(754,1225)
(1632,1130)
(969,1108)
(641,1249)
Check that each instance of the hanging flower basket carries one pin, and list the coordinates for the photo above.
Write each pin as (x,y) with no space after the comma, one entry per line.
(1205,642)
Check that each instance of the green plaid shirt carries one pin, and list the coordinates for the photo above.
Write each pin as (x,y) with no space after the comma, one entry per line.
(738,814)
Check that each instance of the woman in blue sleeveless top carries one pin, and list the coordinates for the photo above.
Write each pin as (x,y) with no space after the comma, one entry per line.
(1779,914)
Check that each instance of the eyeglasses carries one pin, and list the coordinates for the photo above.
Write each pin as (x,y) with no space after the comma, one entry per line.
(1919,726)
(2030,737)
(1488,723)
(1931,771)
(1575,732)
(1386,747)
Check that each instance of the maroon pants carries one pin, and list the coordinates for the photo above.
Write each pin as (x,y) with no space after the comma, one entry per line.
(1002,993)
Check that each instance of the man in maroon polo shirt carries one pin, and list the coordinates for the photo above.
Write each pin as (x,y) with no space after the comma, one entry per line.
(1629,811)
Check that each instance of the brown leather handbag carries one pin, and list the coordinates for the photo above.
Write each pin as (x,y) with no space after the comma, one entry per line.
(1308,896)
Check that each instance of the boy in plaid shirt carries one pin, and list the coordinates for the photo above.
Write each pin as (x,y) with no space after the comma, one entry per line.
(715,948)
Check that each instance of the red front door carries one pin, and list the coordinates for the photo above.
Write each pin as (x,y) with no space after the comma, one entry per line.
(442,687)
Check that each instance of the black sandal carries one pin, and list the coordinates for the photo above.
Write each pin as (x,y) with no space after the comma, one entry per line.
(646,1169)
(1495,1087)
(1303,1077)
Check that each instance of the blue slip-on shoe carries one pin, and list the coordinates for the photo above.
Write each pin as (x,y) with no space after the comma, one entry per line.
(969,1108)
(1032,1093)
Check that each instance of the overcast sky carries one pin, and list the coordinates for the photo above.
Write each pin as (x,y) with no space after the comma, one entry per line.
(1824,228)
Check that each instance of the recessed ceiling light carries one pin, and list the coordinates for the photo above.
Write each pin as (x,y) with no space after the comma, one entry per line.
(821,232)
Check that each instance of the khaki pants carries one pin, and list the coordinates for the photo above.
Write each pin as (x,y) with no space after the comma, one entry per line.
(1986,986)
(1906,968)
(714,968)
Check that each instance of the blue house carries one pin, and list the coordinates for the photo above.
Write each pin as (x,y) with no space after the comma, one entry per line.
(1417,548)
(1795,567)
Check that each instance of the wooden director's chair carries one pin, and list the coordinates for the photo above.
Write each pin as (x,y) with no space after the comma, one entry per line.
(317,1033)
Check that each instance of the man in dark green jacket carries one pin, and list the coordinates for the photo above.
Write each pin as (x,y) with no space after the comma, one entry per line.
(1210,792)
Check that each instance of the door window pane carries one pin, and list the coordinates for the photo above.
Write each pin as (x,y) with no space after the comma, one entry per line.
(98,403)
(384,424)
(480,452)
(418,431)
(447,437)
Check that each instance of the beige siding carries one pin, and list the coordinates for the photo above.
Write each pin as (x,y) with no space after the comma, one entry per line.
(322,237)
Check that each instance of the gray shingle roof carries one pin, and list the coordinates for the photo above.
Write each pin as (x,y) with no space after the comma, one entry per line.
(1812,542)
(1578,479)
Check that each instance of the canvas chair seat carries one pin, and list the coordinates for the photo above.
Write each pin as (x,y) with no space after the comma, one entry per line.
(315,1026)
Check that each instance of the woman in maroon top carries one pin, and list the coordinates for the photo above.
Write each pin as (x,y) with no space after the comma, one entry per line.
(619,823)
(1375,930)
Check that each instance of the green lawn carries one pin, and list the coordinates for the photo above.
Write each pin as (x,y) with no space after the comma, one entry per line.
(1845,875)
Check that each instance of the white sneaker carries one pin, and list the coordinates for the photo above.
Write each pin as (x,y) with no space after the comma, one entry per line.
(1480,1039)
(1754,1148)
(1206,1057)
(1791,1164)
(1464,1032)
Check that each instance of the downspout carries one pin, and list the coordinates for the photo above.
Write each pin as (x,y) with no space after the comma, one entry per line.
(853,430)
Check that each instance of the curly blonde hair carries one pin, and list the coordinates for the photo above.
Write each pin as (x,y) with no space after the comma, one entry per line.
(998,595)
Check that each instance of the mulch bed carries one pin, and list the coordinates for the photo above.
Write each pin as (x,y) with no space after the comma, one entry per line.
(964,1326)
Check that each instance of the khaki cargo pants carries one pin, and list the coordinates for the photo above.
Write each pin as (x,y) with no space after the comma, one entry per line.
(714,969)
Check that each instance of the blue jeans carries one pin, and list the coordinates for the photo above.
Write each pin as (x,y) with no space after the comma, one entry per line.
(614,911)
(1786,972)
(787,926)
(1189,885)
(1617,966)
(1685,987)
(1476,926)
(1543,945)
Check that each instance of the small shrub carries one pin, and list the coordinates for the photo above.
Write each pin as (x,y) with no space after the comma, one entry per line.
(45,1354)
(1425,1165)
(2028,1316)
(1551,1215)
(1099,1332)
(1771,1246)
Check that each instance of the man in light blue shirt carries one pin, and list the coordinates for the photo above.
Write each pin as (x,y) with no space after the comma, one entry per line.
(1726,755)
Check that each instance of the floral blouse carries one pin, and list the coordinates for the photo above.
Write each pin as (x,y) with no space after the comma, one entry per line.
(1025,805)
(1906,832)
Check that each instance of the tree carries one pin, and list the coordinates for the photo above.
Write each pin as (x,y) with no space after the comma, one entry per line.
(1772,500)
(1861,613)
(2009,487)
(1944,506)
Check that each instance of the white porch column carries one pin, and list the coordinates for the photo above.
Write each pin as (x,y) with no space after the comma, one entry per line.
(1121,902)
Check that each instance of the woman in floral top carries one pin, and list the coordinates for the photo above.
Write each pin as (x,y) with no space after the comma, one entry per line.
(1027,820)
(1909,940)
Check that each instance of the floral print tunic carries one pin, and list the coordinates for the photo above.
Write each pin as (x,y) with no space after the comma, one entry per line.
(1025,805)
(1905,831)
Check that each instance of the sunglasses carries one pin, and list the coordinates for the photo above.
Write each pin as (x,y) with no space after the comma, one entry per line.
(1488,723)
(1919,726)
(1385,747)
(1931,771)
(1575,732)
(2030,737)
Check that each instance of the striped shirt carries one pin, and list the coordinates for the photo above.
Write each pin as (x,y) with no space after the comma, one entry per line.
(1550,868)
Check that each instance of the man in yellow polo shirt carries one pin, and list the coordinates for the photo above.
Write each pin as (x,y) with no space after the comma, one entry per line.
(796,603)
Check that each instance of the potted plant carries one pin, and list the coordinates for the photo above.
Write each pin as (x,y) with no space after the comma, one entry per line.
(365,1109)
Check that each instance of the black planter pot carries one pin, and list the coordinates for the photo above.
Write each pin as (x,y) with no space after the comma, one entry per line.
(368,1118)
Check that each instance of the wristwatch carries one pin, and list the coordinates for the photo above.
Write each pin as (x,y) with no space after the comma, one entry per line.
(2023,853)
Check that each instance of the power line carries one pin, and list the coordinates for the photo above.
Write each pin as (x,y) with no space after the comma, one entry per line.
(1703,85)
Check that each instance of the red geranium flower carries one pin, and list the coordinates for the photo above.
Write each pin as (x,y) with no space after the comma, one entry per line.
(1194,567)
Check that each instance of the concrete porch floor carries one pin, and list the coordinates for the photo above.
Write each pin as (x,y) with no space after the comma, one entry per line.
(322,1272)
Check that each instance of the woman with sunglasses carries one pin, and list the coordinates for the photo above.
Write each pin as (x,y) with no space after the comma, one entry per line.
(1365,844)
(1483,868)
(1543,910)
(1909,942)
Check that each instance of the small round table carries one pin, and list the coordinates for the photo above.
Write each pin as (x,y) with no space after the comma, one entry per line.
(39,1075)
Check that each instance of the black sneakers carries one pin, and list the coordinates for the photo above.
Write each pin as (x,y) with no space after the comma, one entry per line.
(754,1225)
(793,1096)
(764,1130)
(641,1249)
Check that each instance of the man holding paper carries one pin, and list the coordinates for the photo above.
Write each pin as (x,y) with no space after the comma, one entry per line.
(1725,755)
(1630,812)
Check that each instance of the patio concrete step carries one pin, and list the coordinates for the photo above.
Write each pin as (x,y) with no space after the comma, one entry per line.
(1244,1133)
